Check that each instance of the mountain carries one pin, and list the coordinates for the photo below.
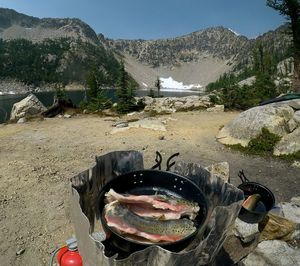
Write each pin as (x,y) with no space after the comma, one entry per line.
(194,60)
(14,25)
(40,51)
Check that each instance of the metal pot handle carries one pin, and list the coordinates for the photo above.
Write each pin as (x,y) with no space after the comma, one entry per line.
(242,176)
(158,160)
(169,165)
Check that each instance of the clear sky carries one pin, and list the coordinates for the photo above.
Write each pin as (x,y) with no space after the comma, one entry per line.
(154,19)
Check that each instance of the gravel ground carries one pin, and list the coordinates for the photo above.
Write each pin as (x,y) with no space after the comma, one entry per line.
(38,158)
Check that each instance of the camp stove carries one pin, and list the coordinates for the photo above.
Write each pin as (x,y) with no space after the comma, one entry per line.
(96,247)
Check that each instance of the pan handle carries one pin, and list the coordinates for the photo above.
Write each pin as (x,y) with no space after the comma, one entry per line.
(242,176)
(169,165)
(158,160)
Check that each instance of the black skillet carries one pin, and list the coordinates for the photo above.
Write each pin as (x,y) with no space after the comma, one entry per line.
(150,182)
(267,199)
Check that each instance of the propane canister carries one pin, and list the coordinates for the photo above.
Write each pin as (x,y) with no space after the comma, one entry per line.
(69,255)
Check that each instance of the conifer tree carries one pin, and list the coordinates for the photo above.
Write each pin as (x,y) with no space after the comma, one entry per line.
(125,93)
(291,10)
(158,86)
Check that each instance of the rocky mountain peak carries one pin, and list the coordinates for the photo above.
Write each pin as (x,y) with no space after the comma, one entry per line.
(14,25)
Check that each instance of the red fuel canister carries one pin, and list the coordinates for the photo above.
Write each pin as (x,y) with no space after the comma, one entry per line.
(69,255)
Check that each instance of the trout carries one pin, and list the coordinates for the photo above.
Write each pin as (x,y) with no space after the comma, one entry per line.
(251,202)
(124,221)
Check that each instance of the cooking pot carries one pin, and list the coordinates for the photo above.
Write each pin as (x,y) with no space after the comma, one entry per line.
(267,199)
(150,182)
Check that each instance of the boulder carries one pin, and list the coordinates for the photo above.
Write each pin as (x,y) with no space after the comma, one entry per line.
(21,120)
(245,231)
(273,252)
(292,125)
(173,104)
(296,117)
(275,227)
(248,81)
(29,106)
(294,103)
(296,164)
(291,210)
(216,108)
(248,125)
(289,144)
(286,67)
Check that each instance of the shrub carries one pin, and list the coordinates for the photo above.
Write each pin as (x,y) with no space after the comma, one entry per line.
(264,143)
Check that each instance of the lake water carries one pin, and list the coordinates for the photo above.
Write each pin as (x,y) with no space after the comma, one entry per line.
(7,101)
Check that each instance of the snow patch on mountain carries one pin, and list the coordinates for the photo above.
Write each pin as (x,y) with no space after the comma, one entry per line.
(237,34)
(169,84)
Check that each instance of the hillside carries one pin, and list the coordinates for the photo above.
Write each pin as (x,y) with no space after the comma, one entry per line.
(40,51)
(195,59)
(14,25)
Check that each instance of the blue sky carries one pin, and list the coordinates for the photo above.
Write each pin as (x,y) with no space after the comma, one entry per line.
(154,19)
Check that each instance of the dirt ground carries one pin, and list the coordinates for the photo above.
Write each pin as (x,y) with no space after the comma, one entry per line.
(38,158)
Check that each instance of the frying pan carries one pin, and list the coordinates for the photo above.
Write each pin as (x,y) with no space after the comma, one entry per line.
(267,198)
(150,182)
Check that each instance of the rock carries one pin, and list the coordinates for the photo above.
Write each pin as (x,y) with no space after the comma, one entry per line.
(132,113)
(296,117)
(120,125)
(109,112)
(273,252)
(147,123)
(245,231)
(168,105)
(291,210)
(178,105)
(147,100)
(236,249)
(248,81)
(31,105)
(20,251)
(289,144)
(295,200)
(161,137)
(248,125)
(285,67)
(85,111)
(291,125)
(275,227)
(220,169)
(67,116)
(216,108)
(120,122)
(21,120)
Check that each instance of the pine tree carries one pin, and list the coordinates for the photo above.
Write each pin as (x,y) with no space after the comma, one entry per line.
(291,10)
(158,86)
(97,98)
(125,92)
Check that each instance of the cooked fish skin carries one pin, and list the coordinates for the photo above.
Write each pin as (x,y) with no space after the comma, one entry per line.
(251,202)
(146,210)
(172,229)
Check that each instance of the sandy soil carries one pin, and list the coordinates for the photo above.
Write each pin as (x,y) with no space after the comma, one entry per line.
(38,158)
